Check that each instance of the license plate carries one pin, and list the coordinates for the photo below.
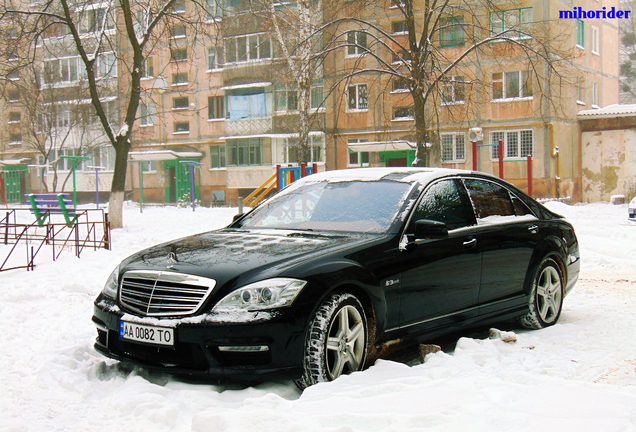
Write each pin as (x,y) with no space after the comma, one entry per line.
(147,334)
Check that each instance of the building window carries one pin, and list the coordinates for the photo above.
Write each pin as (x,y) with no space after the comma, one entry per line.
(403,113)
(356,42)
(399,84)
(516,144)
(316,151)
(509,85)
(357,97)
(453,147)
(15,117)
(214,60)
(213,9)
(401,55)
(107,65)
(178,31)
(15,138)
(580,33)
(286,98)
(246,48)
(182,127)
(63,118)
(217,156)
(595,99)
(179,79)
(13,75)
(147,68)
(357,158)
(512,24)
(148,166)
(92,20)
(178,54)
(13,95)
(179,6)
(61,70)
(248,151)
(216,107)
(399,27)
(451,31)
(453,90)
(180,103)
(595,40)
(580,90)
(147,114)
(317,94)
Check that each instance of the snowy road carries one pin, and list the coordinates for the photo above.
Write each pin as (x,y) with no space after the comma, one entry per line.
(579,375)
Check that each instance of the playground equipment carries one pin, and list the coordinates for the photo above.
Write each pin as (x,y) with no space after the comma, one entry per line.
(281,178)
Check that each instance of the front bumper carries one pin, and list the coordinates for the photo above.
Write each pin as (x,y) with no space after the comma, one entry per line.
(196,350)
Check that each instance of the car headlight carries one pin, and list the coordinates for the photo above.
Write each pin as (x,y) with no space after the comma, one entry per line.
(112,284)
(266,294)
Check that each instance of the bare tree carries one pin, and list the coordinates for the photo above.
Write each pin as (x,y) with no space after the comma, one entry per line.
(413,53)
(125,29)
(627,55)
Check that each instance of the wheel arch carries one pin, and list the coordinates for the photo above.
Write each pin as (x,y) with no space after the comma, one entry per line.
(551,247)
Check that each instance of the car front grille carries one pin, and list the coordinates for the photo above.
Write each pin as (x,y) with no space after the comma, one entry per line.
(158,293)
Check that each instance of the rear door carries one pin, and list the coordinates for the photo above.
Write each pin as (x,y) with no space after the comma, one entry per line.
(507,233)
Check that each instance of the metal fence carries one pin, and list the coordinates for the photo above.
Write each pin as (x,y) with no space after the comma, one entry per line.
(21,242)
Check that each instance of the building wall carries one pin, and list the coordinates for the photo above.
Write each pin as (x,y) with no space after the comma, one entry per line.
(609,156)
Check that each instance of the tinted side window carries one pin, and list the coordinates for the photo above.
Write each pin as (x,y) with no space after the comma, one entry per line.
(442,202)
(520,208)
(489,199)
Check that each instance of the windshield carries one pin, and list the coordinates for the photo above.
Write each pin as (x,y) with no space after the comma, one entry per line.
(354,206)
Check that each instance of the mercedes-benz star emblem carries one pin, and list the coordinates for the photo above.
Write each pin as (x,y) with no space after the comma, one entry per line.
(172,260)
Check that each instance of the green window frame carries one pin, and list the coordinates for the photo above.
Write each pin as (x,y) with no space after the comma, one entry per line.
(217,156)
(521,19)
(248,152)
(451,31)
(580,33)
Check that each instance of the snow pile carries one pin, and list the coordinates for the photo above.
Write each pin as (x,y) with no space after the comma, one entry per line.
(579,375)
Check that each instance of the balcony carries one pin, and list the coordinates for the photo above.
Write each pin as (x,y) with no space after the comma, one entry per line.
(251,126)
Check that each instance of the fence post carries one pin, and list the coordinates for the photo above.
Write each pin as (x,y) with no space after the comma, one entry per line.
(530,175)
(501,168)
(277,177)
(303,170)
(474,155)
(314,169)
(6,230)
(106,232)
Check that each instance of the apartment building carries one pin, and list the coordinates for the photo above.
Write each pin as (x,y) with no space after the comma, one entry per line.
(49,124)
(498,94)
(224,97)
(224,101)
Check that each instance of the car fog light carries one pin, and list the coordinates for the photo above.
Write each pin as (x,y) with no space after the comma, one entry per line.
(244,348)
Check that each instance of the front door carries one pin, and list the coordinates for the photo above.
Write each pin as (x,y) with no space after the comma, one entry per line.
(399,162)
(441,277)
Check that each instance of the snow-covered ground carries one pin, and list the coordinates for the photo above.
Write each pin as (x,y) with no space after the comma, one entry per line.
(579,375)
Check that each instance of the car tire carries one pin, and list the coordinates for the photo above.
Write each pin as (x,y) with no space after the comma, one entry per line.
(546,296)
(336,341)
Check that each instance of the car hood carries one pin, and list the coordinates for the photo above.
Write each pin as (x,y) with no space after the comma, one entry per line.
(238,257)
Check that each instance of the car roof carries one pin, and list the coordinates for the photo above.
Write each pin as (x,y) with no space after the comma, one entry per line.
(404,174)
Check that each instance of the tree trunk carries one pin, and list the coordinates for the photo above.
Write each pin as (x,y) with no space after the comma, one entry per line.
(118,187)
(421,153)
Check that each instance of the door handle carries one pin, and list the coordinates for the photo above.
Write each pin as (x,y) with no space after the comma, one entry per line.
(470,243)
(533,229)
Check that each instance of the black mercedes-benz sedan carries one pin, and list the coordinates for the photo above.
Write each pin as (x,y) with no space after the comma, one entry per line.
(318,280)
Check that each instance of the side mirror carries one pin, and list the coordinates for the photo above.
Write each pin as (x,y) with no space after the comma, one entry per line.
(429,229)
